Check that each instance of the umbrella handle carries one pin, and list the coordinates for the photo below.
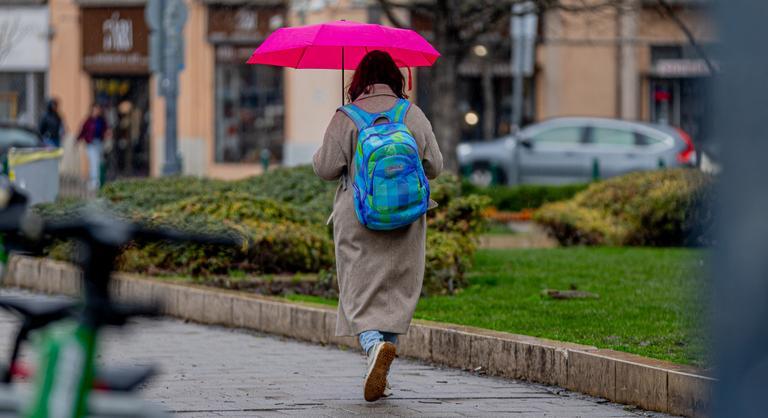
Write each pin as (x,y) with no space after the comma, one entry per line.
(342,76)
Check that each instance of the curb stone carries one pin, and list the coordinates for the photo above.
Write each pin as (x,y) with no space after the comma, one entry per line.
(618,377)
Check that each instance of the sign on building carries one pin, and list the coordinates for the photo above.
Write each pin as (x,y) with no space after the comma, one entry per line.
(243,23)
(115,40)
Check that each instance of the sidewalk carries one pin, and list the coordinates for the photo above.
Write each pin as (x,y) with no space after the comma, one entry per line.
(212,371)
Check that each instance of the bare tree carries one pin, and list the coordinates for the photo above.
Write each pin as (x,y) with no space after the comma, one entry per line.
(668,10)
(11,32)
(458,25)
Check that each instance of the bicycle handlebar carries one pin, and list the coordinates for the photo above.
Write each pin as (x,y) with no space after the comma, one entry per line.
(101,229)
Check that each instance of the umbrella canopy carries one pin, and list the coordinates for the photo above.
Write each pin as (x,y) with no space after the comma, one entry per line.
(341,45)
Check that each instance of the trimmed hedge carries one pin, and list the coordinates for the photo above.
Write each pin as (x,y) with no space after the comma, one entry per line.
(280,217)
(518,198)
(656,208)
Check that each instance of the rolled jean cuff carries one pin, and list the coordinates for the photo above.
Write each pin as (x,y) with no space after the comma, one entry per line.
(369,339)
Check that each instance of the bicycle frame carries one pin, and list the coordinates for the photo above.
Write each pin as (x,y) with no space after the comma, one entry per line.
(67,352)
(67,371)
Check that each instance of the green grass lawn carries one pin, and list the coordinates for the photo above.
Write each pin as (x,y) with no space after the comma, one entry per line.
(650,299)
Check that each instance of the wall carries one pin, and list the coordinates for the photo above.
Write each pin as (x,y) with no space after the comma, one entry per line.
(312,96)
(195,102)
(578,60)
(66,79)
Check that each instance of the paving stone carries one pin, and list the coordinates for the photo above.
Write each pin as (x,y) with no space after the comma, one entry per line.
(451,347)
(308,324)
(167,296)
(217,308)
(216,371)
(330,331)
(191,304)
(52,271)
(641,385)
(275,318)
(417,343)
(591,374)
(246,312)
(688,394)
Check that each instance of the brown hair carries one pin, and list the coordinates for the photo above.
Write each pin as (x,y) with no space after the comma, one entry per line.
(376,67)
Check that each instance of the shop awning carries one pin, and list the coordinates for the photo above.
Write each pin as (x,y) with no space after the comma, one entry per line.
(680,68)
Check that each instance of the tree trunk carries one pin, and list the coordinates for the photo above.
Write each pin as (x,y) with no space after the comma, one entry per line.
(445,117)
(443,83)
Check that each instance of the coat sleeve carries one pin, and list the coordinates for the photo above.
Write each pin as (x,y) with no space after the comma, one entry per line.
(330,161)
(432,158)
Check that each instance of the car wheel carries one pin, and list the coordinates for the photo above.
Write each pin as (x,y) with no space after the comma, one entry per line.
(484,175)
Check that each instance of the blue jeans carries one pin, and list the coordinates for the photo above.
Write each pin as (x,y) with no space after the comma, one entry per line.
(94,150)
(368,339)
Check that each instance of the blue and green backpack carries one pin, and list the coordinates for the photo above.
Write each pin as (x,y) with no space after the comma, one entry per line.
(391,188)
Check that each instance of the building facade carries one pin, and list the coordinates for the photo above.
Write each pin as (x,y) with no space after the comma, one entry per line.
(231,116)
(633,63)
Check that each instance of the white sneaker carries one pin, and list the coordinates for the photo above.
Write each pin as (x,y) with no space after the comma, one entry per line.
(379,360)
(387,391)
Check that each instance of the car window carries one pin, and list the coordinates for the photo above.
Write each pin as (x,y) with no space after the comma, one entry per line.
(565,135)
(645,140)
(14,137)
(610,136)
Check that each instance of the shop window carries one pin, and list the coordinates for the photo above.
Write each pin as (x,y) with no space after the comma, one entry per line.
(249,110)
(21,97)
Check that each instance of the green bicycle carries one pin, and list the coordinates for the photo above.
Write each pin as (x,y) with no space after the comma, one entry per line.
(67,382)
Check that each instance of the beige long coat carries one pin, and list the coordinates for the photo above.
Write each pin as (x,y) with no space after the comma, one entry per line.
(380,272)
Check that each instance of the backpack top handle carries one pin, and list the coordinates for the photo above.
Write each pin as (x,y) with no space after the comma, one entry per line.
(363,119)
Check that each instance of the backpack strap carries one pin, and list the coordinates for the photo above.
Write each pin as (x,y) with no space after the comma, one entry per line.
(398,111)
(360,117)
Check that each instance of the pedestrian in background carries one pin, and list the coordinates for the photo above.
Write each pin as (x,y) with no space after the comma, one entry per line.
(380,272)
(93,133)
(51,127)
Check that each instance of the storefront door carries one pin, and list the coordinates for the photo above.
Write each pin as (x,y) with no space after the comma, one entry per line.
(126,108)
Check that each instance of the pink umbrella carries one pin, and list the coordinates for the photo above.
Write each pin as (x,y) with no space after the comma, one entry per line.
(341,45)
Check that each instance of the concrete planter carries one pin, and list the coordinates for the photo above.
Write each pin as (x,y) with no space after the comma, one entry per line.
(619,377)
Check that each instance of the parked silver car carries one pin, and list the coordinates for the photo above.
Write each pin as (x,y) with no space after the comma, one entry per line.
(575,150)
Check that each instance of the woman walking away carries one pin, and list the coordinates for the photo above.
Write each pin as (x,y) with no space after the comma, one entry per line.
(93,132)
(382,148)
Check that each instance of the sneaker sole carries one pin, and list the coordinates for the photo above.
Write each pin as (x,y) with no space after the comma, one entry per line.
(376,382)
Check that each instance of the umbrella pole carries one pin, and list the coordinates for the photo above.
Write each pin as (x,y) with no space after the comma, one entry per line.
(342,76)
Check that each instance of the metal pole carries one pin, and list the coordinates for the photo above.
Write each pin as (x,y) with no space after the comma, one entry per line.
(740,286)
(517,88)
(172,165)
(516,31)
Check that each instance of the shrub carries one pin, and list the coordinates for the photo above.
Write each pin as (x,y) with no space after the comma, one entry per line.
(449,256)
(272,248)
(659,208)
(518,198)
(232,207)
(148,194)
(462,214)
(281,216)
(278,238)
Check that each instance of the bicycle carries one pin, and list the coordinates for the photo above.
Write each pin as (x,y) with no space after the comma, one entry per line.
(67,382)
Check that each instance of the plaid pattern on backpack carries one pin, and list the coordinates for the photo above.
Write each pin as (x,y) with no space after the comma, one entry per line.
(391,188)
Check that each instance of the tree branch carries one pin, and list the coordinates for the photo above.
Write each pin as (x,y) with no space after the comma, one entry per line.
(667,8)
(387,6)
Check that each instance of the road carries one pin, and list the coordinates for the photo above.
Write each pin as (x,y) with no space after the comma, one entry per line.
(213,371)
